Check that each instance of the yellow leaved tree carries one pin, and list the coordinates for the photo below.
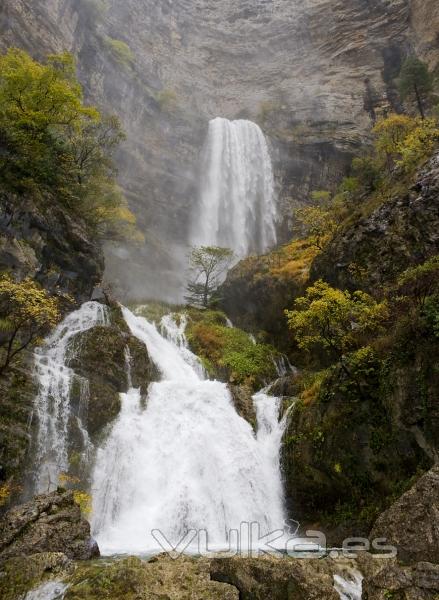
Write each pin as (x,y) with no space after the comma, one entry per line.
(27,313)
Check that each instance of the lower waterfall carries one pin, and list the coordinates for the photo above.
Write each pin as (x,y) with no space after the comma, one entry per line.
(184,460)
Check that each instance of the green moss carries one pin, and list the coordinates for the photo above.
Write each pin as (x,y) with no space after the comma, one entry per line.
(120,579)
(230,352)
(22,574)
(120,51)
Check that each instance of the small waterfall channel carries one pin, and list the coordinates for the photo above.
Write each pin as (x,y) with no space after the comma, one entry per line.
(53,405)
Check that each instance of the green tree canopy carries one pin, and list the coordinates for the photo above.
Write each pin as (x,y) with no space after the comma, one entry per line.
(207,264)
(415,82)
(50,141)
(27,313)
(334,320)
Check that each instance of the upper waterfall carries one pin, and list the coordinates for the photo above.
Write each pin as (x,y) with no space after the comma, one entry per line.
(236,207)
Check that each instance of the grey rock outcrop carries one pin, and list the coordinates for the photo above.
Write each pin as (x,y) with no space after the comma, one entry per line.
(412,523)
(50,523)
(420,582)
(49,245)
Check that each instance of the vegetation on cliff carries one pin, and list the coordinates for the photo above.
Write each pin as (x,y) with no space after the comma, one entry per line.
(27,313)
(363,321)
(229,353)
(56,148)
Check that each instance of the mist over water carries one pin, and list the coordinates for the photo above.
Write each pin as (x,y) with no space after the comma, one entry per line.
(237,204)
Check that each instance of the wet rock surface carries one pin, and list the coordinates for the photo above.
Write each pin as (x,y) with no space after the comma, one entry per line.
(412,522)
(105,357)
(50,523)
(242,397)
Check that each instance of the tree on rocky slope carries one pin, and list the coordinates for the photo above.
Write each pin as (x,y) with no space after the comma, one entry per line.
(415,82)
(207,264)
(27,313)
(50,140)
(335,320)
(319,220)
(420,282)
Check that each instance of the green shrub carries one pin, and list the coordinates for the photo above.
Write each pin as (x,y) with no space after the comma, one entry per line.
(231,350)
(167,100)
(431,313)
(120,51)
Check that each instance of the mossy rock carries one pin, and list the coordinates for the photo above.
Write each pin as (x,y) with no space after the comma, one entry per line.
(23,574)
(374,246)
(259,289)
(17,391)
(242,397)
(350,448)
(100,357)
(160,578)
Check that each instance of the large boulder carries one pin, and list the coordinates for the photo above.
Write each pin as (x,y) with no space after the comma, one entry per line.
(48,523)
(397,582)
(100,357)
(412,523)
(161,578)
(277,578)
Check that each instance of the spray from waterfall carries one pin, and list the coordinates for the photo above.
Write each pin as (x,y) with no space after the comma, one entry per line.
(185,460)
(237,207)
(54,411)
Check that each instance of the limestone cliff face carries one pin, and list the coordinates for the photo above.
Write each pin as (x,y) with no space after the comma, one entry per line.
(304,70)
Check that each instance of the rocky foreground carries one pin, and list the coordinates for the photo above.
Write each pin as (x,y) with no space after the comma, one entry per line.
(45,545)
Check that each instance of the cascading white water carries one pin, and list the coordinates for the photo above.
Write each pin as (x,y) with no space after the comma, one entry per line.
(237,207)
(349,586)
(53,406)
(52,590)
(185,460)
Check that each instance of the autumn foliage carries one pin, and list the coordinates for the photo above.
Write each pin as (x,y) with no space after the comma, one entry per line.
(27,313)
